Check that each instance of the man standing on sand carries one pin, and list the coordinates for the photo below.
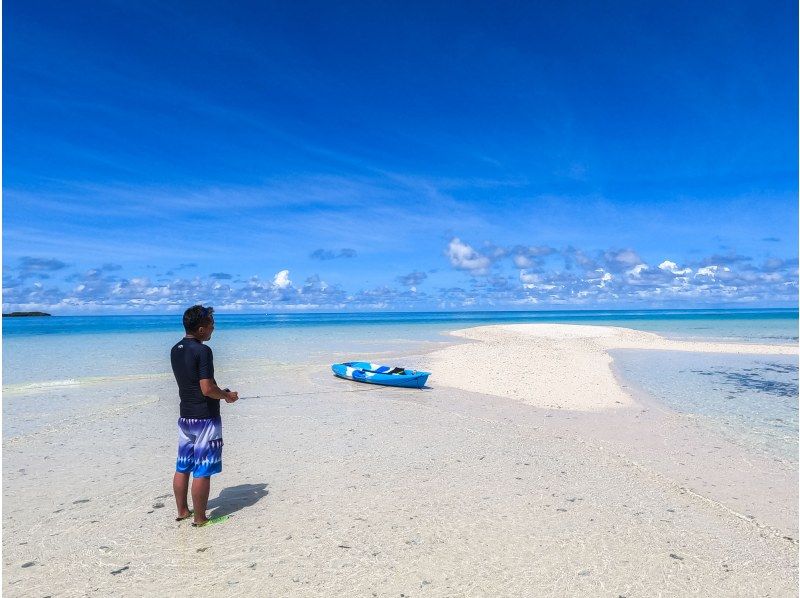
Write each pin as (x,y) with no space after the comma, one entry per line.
(199,425)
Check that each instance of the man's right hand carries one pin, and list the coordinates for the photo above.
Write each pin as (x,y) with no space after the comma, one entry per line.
(210,389)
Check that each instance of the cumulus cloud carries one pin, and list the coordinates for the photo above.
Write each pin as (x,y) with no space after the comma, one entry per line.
(710,271)
(464,257)
(37,264)
(413,279)
(528,257)
(386,297)
(281,280)
(576,257)
(724,260)
(557,278)
(452,298)
(775,264)
(621,275)
(522,261)
(327,254)
(669,266)
(494,284)
(621,260)
(91,275)
(636,271)
(36,267)
(180,267)
(602,278)
(528,279)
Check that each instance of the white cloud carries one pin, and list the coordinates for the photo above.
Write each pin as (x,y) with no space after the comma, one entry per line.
(672,267)
(708,271)
(528,279)
(702,281)
(522,261)
(600,279)
(464,257)
(636,271)
(281,280)
(528,256)
(619,260)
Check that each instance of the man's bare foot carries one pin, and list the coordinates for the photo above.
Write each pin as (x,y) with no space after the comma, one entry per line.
(184,515)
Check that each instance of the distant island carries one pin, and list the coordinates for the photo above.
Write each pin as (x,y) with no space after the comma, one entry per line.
(25,314)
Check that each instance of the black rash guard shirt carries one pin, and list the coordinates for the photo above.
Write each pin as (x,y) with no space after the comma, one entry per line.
(193,361)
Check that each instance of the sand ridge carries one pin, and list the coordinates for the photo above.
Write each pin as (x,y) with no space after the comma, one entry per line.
(557,366)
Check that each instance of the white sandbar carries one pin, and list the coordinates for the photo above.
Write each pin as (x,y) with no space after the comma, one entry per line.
(557,366)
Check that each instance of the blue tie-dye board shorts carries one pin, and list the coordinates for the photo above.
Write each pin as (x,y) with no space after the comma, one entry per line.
(199,446)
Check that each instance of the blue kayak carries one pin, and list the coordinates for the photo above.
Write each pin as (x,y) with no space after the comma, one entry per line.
(387,375)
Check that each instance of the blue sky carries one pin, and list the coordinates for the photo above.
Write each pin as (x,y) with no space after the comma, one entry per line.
(326,156)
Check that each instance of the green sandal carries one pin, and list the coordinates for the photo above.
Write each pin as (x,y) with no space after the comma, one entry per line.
(212,521)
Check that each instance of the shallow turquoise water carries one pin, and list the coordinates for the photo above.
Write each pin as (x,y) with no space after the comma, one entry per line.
(776,325)
(750,399)
(38,352)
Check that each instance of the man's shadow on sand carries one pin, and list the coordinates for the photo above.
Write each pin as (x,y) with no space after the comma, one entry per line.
(236,498)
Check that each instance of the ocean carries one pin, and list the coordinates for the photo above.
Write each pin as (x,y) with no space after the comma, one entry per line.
(751,398)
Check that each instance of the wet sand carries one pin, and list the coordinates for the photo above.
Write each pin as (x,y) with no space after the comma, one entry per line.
(345,489)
